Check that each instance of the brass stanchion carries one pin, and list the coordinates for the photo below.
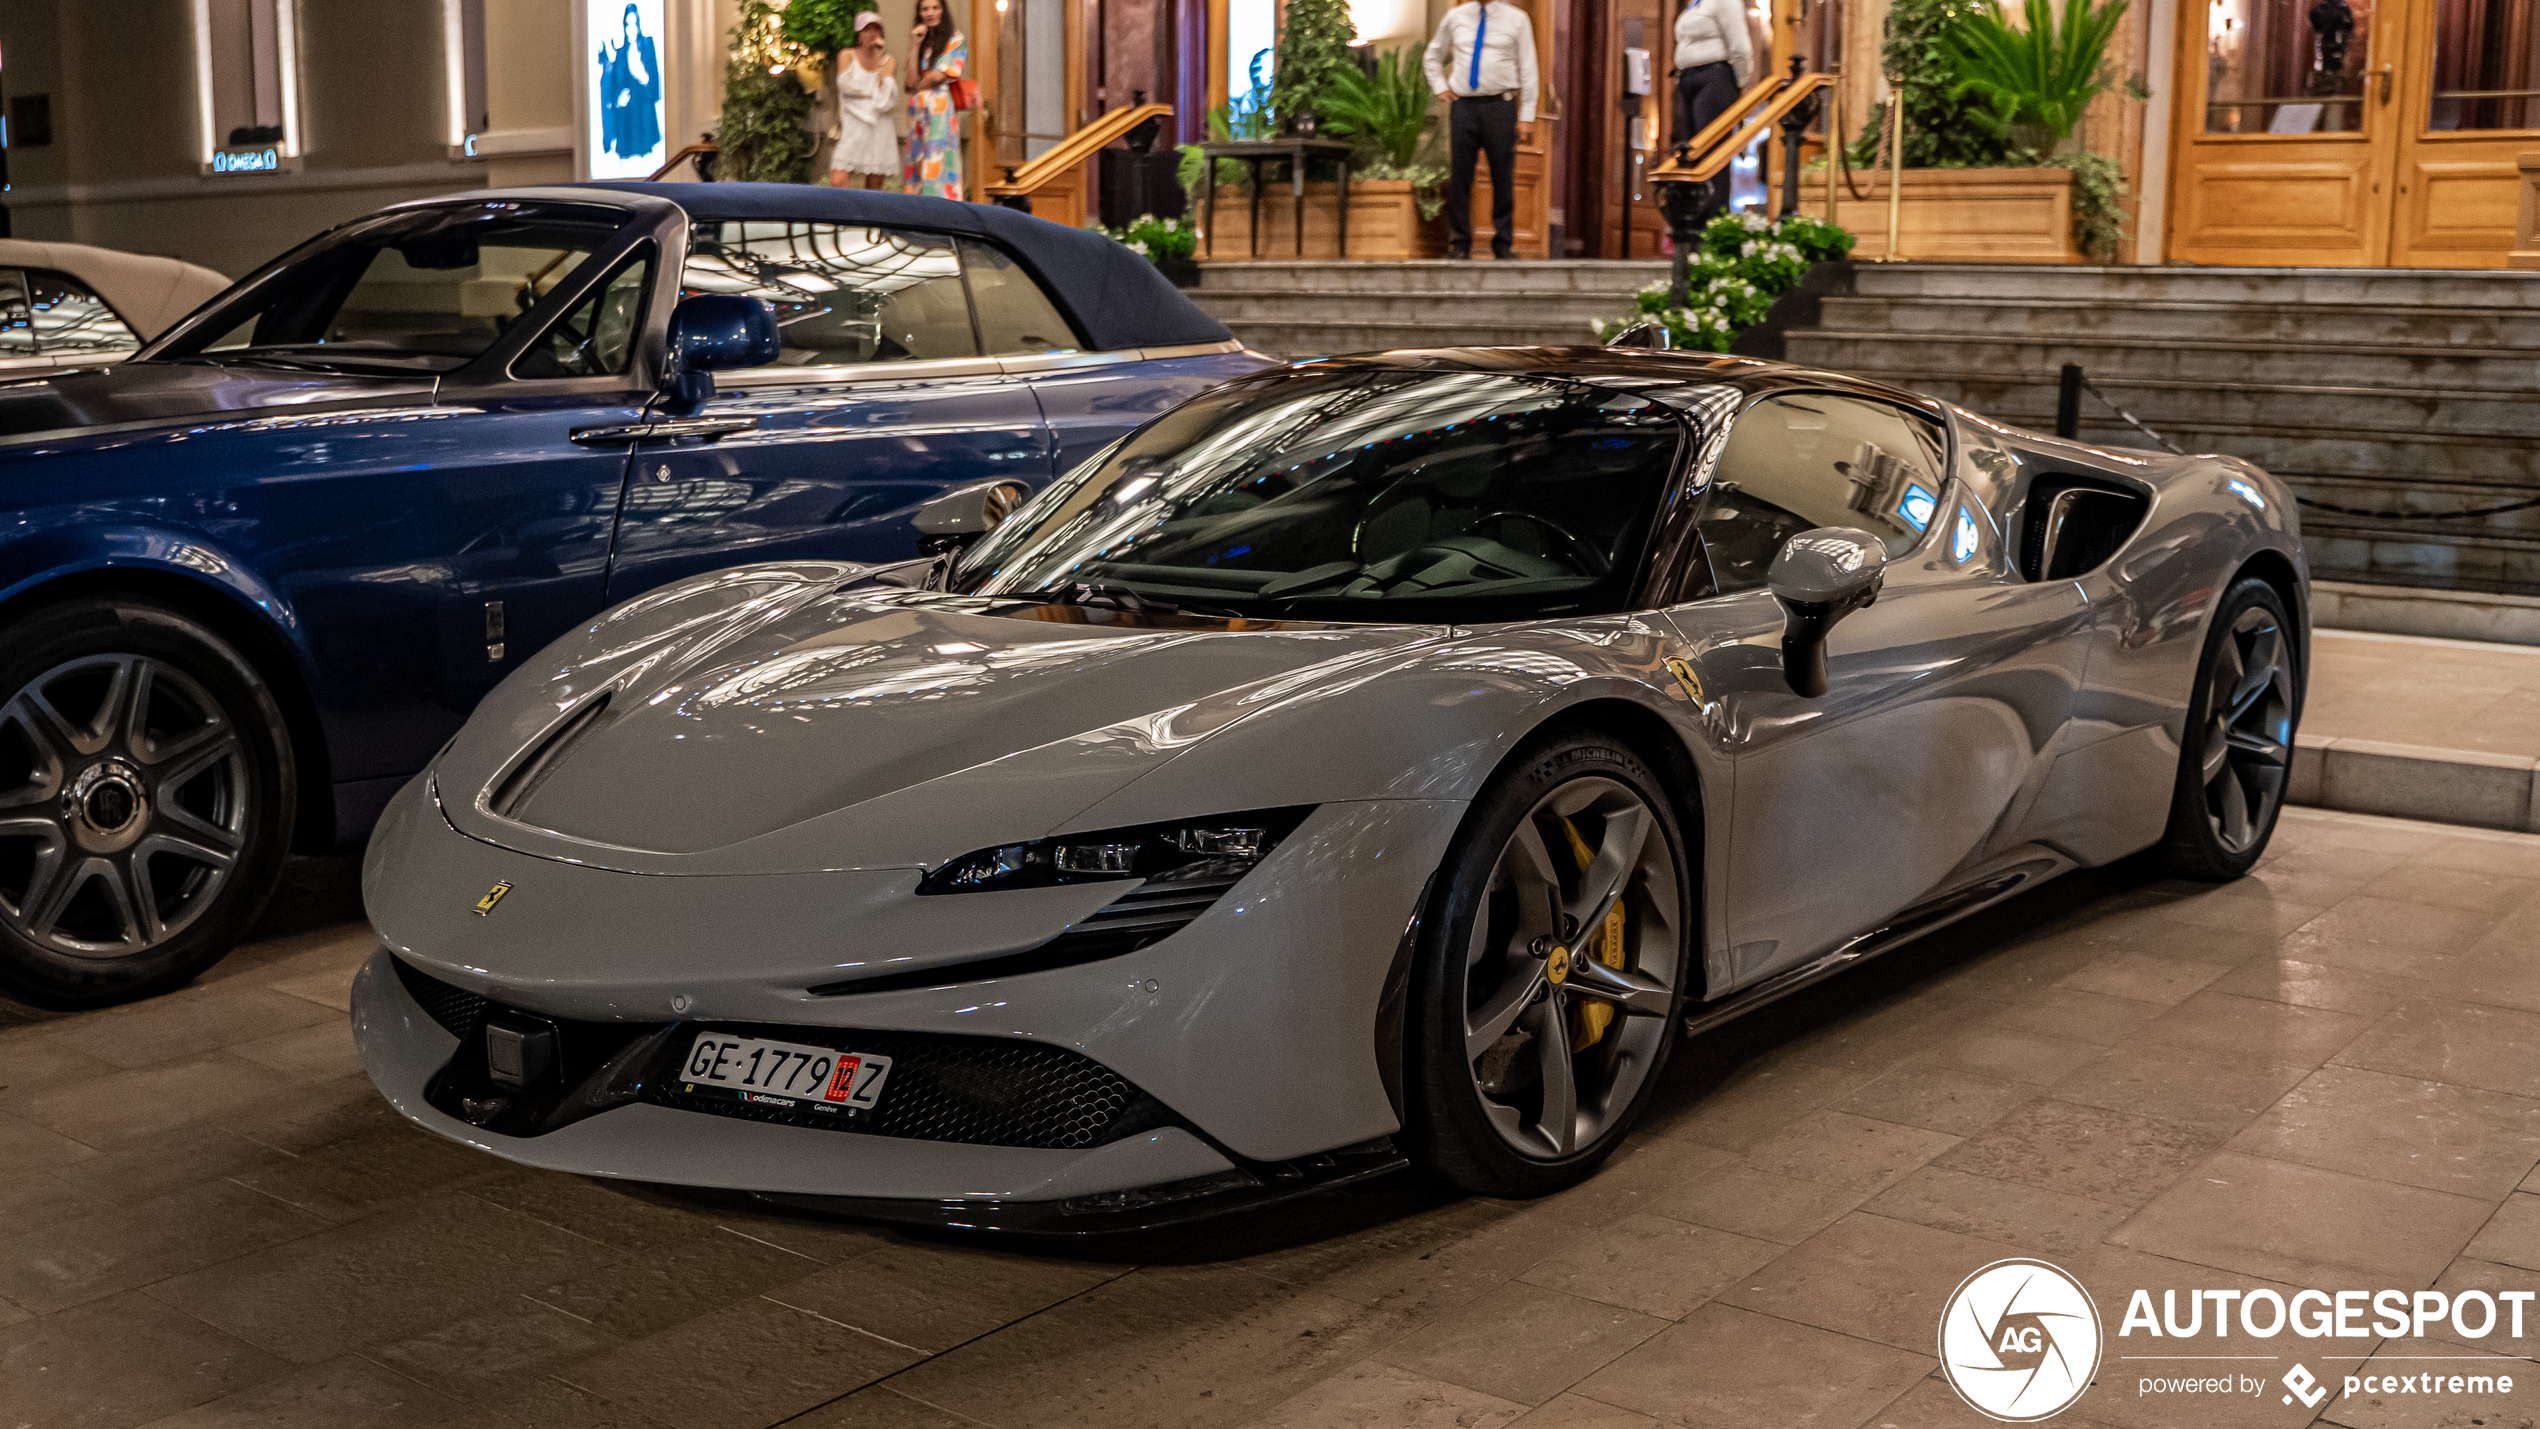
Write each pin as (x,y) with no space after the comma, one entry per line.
(1895,167)
(1834,135)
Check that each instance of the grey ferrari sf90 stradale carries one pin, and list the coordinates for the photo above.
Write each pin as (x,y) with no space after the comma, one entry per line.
(1371,761)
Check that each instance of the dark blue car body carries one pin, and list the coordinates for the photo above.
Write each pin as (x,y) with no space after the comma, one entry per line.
(385,548)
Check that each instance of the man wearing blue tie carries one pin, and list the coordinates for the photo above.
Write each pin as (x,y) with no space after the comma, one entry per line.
(1483,58)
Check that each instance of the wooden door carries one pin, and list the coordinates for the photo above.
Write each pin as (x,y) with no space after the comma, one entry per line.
(2352,132)
(2472,104)
(2287,131)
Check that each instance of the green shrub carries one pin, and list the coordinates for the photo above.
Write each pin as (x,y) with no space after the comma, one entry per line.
(823,27)
(760,135)
(2033,81)
(1387,112)
(1157,240)
(1744,262)
(1314,39)
(1941,127)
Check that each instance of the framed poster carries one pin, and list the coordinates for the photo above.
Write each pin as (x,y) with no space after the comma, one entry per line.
(625,109)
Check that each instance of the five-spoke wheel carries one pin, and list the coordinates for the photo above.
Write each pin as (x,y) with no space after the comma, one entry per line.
(1552,971)
(2237,757)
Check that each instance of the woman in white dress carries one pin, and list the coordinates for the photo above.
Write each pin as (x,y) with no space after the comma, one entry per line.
(868,98)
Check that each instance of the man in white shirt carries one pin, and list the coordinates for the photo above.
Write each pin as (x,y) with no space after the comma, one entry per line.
(1483,58)
(1715,62)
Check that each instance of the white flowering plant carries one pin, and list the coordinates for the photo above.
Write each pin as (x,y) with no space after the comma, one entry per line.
(1158,240)
(1744,262)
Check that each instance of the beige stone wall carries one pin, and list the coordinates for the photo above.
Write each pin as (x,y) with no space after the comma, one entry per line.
(123,169)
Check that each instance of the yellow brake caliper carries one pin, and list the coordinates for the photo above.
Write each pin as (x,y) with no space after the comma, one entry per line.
(1590,1020)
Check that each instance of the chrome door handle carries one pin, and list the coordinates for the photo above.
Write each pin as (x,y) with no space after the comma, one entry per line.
(662,431)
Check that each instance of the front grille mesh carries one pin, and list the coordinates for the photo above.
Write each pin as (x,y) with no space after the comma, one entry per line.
(983,1091)
(459,1011)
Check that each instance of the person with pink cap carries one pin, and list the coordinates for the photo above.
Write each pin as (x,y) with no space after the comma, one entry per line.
(868,94)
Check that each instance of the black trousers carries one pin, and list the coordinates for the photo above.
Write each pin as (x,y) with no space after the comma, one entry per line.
(1482,126)
(1704,93)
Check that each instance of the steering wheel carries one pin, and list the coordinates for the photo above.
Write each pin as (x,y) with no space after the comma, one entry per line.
(1590,561)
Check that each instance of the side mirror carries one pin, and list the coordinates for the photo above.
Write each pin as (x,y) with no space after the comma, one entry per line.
(1819,577)
(715,332)
(961,516)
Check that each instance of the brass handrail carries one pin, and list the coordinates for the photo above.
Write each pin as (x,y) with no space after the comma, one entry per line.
(683,156)
(1075,149)
(1701,158)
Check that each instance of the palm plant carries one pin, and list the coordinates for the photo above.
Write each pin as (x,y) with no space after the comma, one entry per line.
(1386,112)
(2032,82)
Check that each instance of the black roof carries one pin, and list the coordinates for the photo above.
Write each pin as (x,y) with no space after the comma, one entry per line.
(1117,298)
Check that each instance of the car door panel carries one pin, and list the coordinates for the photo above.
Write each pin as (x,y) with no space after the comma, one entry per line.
(1091,403)
(831,469)
(1944,702)
(879,399)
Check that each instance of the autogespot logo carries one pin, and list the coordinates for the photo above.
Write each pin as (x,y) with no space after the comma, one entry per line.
(2019,1340)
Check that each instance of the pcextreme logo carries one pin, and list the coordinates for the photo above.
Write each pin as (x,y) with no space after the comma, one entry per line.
(2019,1340)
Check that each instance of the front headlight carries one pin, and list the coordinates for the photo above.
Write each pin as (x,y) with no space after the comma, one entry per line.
(1229,843)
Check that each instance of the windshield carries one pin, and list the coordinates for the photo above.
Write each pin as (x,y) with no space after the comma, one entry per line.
(1356,494)
(424,291)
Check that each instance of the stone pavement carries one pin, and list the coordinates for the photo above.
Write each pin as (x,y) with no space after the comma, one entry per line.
(2422,728)
(2322,1076)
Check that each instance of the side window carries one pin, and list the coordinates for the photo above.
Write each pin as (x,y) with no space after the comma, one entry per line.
(72,321)
(1816,459)
(596,337)
(1015,317)
(842,294)
(17,330)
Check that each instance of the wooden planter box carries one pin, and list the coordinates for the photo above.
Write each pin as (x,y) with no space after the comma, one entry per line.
(1384,223)
(1954,215)
(2526,249)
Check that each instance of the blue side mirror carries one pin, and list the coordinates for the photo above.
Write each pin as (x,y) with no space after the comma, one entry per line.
(714,332)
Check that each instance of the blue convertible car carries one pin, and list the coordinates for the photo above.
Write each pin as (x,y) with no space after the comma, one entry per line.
(251,578)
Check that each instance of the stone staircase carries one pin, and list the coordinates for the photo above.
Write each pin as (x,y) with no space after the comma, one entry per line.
(1319,309)
(2411,392)
(2403,391)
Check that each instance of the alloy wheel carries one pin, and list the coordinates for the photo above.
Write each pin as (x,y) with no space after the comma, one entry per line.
(1567,1005)
(124,798)
(2248,730)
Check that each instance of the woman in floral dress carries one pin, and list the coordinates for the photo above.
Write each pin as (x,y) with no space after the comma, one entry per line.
(934,143)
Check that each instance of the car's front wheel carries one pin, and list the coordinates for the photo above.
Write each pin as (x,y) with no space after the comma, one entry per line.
(1551,971)
(2237,757)
(146,793)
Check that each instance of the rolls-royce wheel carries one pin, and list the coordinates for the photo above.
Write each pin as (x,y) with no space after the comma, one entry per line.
(146,800)
(1550,973)
(2238,754)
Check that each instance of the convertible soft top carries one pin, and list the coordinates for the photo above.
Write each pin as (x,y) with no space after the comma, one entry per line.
(1116,297)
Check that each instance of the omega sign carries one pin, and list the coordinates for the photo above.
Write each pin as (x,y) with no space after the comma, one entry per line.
(265,160)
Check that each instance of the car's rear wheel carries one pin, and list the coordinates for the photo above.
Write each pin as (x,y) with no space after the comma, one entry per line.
(2238,754)
(146,800)
(1551,971)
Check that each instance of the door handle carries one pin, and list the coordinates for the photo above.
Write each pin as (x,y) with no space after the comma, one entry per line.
(2385,72)
(623,433)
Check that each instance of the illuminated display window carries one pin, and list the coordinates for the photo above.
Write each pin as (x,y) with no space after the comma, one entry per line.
(247,85)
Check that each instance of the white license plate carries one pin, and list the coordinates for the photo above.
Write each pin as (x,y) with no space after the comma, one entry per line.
(781,1074)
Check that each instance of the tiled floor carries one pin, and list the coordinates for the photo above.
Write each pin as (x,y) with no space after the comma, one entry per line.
(2370,686)
(2326,1076)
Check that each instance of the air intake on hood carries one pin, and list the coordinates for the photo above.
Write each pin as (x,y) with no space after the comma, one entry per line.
(514,789)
